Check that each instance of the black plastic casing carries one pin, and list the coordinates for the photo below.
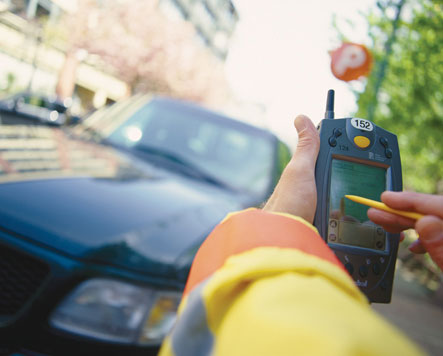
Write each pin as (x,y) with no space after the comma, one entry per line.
(372,270)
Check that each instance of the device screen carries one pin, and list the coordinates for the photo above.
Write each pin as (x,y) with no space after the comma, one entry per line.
(348,221)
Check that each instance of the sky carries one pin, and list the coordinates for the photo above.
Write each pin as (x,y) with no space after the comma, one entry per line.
(279,58)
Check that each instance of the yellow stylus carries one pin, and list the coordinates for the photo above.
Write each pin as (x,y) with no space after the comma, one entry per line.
(381,206)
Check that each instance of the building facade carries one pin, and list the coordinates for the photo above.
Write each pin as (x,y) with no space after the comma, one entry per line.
(214,20)
(37,66)
(27,62)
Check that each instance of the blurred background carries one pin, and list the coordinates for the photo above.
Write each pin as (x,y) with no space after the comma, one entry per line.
(260,61)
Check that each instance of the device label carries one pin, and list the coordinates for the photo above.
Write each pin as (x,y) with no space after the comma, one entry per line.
(375,156)
(362,124)
(363,284)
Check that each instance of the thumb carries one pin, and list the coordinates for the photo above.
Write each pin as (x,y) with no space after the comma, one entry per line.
(308,139)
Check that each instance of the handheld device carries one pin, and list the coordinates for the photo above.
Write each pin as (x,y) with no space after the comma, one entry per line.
(360,158)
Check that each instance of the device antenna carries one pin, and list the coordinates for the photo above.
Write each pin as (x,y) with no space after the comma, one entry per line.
(329,114)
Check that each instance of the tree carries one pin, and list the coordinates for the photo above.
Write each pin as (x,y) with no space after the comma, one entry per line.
(410,100)
(145,49)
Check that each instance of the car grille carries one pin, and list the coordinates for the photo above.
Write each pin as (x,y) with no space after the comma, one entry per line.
(20,277)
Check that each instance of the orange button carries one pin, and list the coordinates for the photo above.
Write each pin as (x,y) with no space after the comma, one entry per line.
(362,141)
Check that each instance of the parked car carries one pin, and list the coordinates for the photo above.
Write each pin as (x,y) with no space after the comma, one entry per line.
(32,108)
(99,224)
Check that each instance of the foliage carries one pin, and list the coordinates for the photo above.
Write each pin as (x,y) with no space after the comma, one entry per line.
(410,101)
(144,48)
(8,83)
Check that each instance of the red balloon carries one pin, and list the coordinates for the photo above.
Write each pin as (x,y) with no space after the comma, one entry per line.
(350,61)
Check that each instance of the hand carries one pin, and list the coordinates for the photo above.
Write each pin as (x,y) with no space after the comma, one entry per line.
(296,192)
(429,228)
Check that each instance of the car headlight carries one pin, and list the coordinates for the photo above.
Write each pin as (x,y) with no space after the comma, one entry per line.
(117,311)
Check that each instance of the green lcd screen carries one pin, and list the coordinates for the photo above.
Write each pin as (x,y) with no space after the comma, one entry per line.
(348,221)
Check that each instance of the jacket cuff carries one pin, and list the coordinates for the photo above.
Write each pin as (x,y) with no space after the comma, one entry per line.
(253,228)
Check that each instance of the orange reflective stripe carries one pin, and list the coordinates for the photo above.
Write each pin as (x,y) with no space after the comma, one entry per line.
(250,229)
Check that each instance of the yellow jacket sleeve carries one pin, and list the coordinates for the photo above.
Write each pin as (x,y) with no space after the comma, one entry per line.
(267,284)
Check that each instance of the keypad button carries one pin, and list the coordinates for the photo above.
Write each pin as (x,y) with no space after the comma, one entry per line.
(388,153)
(332,141)
(384,142)
(350,268)
(362,141)
(363,271)
(336,132)
(376,269)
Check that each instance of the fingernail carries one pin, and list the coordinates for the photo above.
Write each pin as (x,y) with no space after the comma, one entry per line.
(416,247)
(300,122)
(414,244)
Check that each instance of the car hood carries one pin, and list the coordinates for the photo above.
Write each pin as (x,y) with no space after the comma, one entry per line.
(115,210)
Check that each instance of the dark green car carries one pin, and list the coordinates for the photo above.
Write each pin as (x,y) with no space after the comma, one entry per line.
(99,223)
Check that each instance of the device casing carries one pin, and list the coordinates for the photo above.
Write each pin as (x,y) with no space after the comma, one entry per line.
(372,271)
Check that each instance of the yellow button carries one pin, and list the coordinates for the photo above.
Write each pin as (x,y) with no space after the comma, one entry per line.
(362,141)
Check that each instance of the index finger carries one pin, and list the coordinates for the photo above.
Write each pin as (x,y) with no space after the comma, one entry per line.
(426,204)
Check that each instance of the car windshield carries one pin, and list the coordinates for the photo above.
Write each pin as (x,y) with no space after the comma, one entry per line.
(235,154)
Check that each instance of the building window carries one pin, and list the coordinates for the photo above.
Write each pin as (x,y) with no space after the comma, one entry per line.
(173,10)
(40,9)
(201,38)
(42,12)
(204,17)
(18,7)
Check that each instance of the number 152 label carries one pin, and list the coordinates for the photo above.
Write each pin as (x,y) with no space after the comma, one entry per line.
(362,124)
